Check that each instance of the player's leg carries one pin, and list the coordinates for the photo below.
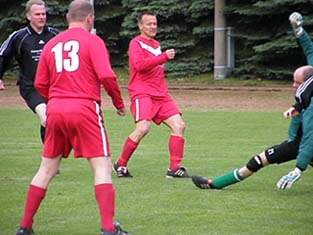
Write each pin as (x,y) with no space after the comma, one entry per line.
(234,176)
(37,104)
(141,111)
(169,114)
(176,145)
(40,110)
(105,194)
(37,191)
(130,145)
(103,189)
(283,152)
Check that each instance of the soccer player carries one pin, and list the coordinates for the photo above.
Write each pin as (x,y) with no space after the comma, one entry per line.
(150,99)
(303,102)
(303,105)
(72,67)
(286,151)
(25,45)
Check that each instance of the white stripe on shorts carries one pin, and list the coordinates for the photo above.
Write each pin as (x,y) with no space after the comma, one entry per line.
(137,110)
(103,136)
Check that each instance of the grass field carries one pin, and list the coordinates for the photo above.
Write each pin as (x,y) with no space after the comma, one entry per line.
(216,142)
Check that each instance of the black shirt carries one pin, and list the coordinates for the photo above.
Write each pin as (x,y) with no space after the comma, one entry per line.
(25,45)
(304,94)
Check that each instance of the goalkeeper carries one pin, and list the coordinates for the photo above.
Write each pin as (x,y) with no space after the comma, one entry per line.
(303,105)
(286,151)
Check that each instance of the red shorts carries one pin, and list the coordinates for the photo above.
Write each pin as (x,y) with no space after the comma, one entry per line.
(152,108)
(75,124)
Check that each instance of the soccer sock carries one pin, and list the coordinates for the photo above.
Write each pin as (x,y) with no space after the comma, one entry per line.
(128,149)
(34,197)
(105,195)
(176,149)
(229,178)
(42,133)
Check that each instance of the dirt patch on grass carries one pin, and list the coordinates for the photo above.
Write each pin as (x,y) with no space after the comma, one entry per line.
(196,97)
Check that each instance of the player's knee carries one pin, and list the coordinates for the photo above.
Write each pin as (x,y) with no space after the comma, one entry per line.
(255,163)
(182,126)
(143,129)
(179,128)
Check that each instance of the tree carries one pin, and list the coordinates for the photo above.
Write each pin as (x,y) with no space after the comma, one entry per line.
(263,37)
(264,40)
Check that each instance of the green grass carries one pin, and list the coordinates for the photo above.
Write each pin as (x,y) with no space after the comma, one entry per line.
(216,142)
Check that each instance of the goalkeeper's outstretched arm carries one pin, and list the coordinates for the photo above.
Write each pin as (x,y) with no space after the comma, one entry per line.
(296,21)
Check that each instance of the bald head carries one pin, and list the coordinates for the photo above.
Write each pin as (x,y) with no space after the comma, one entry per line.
(301,74)
(79,10)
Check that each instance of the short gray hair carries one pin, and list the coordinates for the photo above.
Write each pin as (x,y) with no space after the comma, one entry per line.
(30,3)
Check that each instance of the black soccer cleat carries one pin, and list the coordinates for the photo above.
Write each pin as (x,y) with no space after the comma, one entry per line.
(121,171)
(118,231)
(202,182)
(24,231)
(180,172)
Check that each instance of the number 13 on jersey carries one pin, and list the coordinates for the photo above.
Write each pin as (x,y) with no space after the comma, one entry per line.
(69,64)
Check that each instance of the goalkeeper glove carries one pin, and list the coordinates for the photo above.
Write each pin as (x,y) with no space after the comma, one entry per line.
(296,22)
(287,180)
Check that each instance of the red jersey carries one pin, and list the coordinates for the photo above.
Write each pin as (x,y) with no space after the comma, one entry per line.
(74,64)
(146,68)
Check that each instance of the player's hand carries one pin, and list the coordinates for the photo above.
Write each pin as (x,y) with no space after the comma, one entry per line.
(1,85)
(121,111)
(170,53)
(292,112)
(287,180)
(296,22)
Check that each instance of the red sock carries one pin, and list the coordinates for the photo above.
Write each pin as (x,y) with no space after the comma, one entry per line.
(128,149)
(34,197)
(176,149)
(105,196)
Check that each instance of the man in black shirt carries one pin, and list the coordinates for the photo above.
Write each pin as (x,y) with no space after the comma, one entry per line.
(25,45)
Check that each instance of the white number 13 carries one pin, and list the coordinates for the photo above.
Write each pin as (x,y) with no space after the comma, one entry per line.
(72,63)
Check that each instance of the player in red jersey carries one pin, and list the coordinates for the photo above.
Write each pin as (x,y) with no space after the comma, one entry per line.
(71,70)
(150,100)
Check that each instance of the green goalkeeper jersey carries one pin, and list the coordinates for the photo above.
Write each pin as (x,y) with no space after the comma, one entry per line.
(307,46)
(295,127)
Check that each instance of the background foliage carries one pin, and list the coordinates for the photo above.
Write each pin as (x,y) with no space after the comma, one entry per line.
(265,46)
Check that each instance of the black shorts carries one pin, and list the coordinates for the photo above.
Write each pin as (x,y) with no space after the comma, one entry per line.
(283,152)
(31,97)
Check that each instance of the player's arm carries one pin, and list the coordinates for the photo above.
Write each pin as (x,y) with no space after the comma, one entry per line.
(6,55)
(307,47)
(106,75)
(140,62)
(112,88)
(296,21)
(42,77)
